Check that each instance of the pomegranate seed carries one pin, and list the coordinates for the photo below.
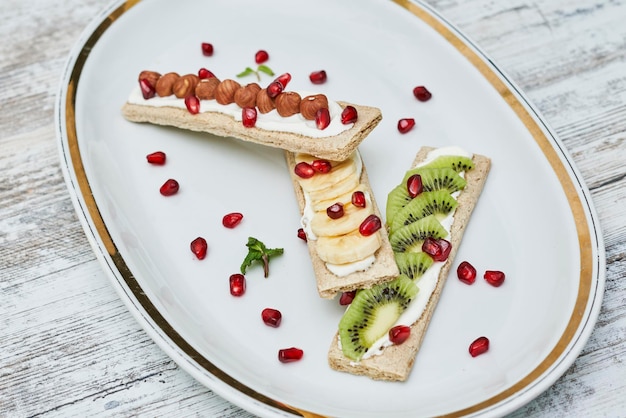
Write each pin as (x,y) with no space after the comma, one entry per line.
(346,298)
(322,118)
(261,56)
(275,88)
(304,170)
(318,77)
(370,225)
(466,272)
(248,117)
(358,199)
(169,188)
(349,115)
(271,317)
(193,104)
(199,247)
(231,220)
(288,355)
(479,346)
(284,79)
(157,158)
(438,249)
(405,125)
(302,234)
(414,185)
(203,74)
(321,166)
(207,49)
(422,94)
(147,89)
(399,334)
(494,277)
(237,284)
(335,211)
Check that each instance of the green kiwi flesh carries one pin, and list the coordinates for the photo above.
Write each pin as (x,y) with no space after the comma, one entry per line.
(438,178)
(372,313)
(413,265)
(410,237)
(396,199)
(424,204)
(455,162)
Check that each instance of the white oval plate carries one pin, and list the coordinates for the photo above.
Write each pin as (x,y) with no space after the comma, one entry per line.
(534,221)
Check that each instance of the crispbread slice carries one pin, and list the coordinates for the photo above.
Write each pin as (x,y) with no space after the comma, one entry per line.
(337,147)
(396,361)
(328,285)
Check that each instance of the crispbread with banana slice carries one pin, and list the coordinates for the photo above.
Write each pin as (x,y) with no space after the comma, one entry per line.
(395,361)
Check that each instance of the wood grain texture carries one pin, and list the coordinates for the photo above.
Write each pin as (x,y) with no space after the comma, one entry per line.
(68,345)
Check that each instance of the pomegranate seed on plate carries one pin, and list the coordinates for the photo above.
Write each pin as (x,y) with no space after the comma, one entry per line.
(284,79)
(399,334)
(274,89)
(370,225)
(203,74)
(438,249)
(422,94)
(304,170)
(479,346)
(321,166)
(147,89)
(157,158)
(288,355)
(193,104)
(405,125)
(494,277)
(346,298)
(322,118)
(271,317)
(170,187)
(335,211)
(466,272)
(231,220)
(349,115)
(358,199)
(414,185)
(207,49)
(248,117)
(237,284)
(302,234)
(318,77)
(261,56)
(199,247)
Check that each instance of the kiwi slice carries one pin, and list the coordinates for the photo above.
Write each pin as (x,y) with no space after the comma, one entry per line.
(455,162)
(438,178)
(413,265)
(396,200)
(410,237)
(426,203)
(372,313)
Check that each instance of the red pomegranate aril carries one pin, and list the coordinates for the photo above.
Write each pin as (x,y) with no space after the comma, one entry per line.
(207,49)
(322,118)
(370,225)
(248,117)
(169,188)
(399,334)
(156,158)
(494,277)
(321,166)
(318,77)
(414,185)
(237,284)
(289,355)
(304,170)
(284,79)
(302,234)
(479,346)
(422,94)
(349,115)
(358,199)
(193,104)
(147,89)
(274,89)
(203,74)
(438,249)
(446,247)
(199,247)
(231,220)
(346,298)
(405,125)
(271,317)
(466,272)
(335,211)
(261,56)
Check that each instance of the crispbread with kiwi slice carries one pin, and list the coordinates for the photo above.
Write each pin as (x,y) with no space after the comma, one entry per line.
(328,284)
(337,147)
(396,361)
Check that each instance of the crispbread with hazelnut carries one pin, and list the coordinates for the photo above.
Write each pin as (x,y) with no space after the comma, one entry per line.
(395,362)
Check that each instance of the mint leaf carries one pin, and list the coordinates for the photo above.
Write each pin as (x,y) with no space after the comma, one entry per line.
(265,69)
(246,72)
(258,251)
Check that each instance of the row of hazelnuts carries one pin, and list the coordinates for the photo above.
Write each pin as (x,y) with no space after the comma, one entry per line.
(286,103)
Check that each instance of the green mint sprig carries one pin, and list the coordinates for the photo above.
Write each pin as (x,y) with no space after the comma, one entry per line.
(260,69)
(257,251)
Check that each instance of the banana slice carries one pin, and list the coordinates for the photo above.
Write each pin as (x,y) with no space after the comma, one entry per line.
(308,158)
(344,199)
(324,226)
(335,190)
(338,173)
(347,248)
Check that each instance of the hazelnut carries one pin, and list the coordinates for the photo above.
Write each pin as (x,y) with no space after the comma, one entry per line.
(311,104)
(185,85)
(225,91)
(205,89)
(164,85)
(287,103)
(246,96)
(151,76)
(264,102)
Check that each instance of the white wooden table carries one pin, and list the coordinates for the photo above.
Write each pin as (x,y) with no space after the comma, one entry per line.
(68,345)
